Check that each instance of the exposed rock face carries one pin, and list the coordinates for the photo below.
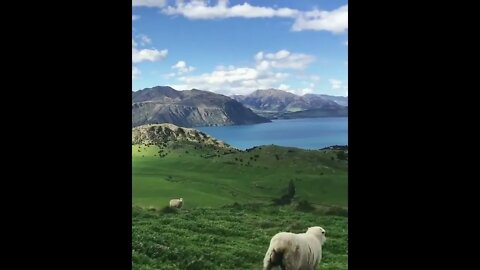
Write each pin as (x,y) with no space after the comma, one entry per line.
(273,103)
(190,108)
(162,133)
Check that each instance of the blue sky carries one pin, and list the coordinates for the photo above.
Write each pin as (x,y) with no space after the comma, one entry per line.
(237,47)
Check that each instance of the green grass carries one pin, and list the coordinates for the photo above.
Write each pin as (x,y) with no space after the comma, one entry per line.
(211,176)
(226,237)
(207,234)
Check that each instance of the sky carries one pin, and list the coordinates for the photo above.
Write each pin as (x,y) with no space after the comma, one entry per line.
(236,47)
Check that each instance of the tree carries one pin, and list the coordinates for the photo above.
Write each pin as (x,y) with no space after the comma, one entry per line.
(342,155)
(291,189)
(286,198)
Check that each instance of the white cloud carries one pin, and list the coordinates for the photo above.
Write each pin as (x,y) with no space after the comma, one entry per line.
(135,72)
(170,75)
(198,9)
(180,87)
(315,78)
(234,80)
(303,91)
(308,78)
(335,84)
(335,21)
(145,39)
(283,59)
(220,76)
(346,43)
(299,92)
(265,73)
(146,54)
(148,3)
(182,67)
(135,17)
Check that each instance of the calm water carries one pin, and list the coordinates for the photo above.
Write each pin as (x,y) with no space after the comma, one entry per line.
(308,133)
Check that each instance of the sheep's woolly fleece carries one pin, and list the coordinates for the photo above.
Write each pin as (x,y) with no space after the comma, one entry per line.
(295,251)
(176,203)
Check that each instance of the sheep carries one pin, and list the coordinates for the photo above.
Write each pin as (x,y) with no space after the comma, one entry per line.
(176,203)
(293,251)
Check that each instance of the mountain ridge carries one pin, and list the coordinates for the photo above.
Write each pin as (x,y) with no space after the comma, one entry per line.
(189,108)
(273,103)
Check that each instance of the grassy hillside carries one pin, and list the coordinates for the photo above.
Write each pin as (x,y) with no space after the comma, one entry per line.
(228,219)
(210,176)
(226,238)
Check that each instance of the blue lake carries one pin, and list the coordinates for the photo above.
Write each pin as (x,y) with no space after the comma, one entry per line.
(307,133)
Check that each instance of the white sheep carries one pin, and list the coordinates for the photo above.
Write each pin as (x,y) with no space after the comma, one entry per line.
(176,203)
(291,251)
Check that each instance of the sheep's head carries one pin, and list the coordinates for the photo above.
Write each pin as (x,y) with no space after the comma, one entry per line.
(181,199)
(318,232)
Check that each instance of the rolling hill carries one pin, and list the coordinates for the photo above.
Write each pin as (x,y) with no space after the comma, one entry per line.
(211,173)
(228,215)
(158,134)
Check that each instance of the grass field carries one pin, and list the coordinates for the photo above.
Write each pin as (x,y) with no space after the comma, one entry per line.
(226,238)
(228,219)
(211,177)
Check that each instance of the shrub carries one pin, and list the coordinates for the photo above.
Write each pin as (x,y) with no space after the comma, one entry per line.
(305,206)
(337,211)
(168,210)
(286,198)
(341,155)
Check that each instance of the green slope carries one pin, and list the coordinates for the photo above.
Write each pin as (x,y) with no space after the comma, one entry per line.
(213,176)
(226,238)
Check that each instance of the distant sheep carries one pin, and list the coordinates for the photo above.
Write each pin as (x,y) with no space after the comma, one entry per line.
(293,251)
(176,203)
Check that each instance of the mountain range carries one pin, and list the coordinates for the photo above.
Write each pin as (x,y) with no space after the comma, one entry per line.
(196,108)
(273,103)
(189,108)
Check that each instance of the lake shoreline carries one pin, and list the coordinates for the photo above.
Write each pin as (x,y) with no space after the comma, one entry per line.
(304,133)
